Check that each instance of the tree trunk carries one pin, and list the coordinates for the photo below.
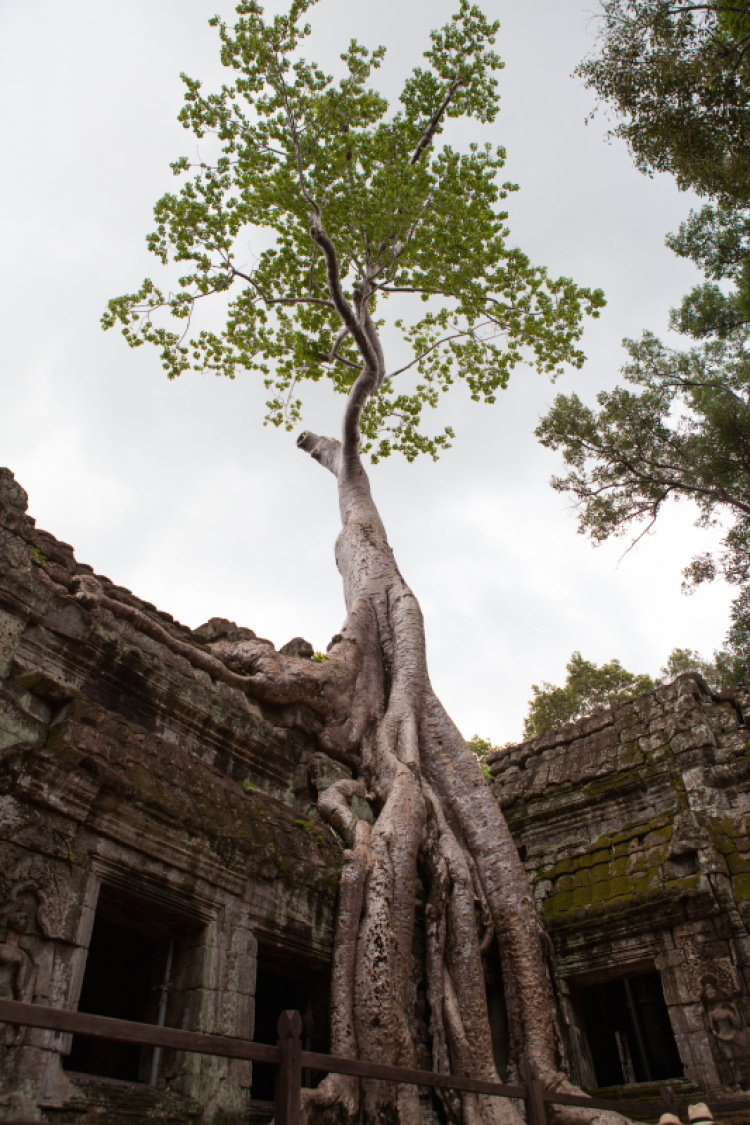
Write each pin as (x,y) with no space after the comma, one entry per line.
(434,817)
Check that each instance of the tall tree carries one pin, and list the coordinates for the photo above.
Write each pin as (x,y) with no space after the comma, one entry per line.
(588,688)
(350,205)
(717,673)
(675,72)
(677,75)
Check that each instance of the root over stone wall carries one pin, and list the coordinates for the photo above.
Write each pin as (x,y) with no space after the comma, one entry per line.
(136,775)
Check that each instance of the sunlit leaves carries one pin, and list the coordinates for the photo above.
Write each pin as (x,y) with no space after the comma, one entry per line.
(408,215)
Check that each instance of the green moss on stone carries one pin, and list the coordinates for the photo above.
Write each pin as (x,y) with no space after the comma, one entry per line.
(741,886)
(581,896)
(738,864)
(558,904)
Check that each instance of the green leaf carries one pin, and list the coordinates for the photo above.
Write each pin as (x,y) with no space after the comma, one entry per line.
(407,215)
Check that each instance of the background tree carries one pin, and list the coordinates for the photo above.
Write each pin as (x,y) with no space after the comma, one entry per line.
(350,205)
(717,673)
(588,687)
(482,748)
(677,74)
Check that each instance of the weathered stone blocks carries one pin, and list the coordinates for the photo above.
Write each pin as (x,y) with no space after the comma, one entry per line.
(662,876)
(125,771)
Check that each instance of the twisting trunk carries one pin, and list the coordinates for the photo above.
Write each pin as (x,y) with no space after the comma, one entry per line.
(405,215)
(434,817)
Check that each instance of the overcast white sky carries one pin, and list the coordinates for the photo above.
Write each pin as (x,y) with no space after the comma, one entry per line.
(176,491)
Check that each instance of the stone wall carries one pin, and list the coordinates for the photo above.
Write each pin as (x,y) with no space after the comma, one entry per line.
(634,825)
(133,783)
(127,771)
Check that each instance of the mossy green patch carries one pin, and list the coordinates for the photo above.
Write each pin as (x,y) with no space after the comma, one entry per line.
(741,886)
(738,864)
(556,905)
(581,896)
(619,867)
(601,891)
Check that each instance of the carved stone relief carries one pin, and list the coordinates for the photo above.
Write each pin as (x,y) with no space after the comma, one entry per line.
(729,1031)
(693,973)
(23,932)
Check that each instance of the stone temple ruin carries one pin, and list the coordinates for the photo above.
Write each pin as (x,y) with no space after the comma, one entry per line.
(160,861)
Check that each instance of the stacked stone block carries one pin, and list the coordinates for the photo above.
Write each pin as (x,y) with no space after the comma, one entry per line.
(634,827)
(125,769)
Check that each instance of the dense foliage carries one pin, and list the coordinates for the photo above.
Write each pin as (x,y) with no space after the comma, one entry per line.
(590,687)
(294,149)
(678,76)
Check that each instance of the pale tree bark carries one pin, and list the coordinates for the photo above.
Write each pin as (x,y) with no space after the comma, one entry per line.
(435,819)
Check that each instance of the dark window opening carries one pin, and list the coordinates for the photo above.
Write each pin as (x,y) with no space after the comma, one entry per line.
(286,984)
(116,983)
(629,1031)
(125,969)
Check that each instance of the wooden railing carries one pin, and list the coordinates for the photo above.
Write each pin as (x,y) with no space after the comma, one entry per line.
(290,1060)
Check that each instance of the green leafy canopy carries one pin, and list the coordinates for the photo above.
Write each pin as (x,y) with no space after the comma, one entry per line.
(411,217)
(675,72)
(590,687)
(677,75)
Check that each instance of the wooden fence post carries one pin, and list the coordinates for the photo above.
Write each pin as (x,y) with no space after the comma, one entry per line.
(535,1114)
(670,1101)
(289,1070)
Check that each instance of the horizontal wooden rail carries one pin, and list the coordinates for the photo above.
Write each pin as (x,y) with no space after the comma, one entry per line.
(729,1107)
(361,1069)
(642,1109)
(102,1027)
(290,1061)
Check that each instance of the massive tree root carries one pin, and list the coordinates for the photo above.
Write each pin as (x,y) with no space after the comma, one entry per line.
(435,818)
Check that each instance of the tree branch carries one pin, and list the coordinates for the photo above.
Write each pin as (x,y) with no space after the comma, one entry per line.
(432,128)
(675,484)
(326,451)
(292,123)
(445,340)
(342,306)
(269,301)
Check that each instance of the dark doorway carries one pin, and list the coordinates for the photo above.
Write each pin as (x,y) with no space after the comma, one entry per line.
(286,984)
(628,1030)
(117,983)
